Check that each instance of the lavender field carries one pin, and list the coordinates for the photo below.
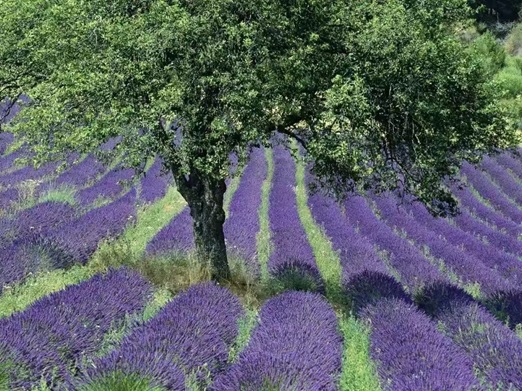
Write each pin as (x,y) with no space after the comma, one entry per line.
(370,294)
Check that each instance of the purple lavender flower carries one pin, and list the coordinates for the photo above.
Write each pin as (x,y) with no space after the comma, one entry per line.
(8,198)
(296,346)
(503,179)
(507,306)
(512,162)
(6,139)
(109,186)
(242,224)
(154,184)
(368,287)
(508,266)
(466,266)
(51,337)
(77,176)
(411,354)
(193,332)
(77,240)
(8,161)
(356,252)
(177,236)
(292,258)
(496,351)
(413,267)
(20,253)
(492,193)
(484,212)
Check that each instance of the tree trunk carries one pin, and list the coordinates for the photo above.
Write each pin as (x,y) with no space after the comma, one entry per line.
(205,199)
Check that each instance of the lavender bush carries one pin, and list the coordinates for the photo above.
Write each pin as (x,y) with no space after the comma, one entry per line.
(292,260)
(154,184)
(511,162)
(414,269)
(110,186)
(411,354)
(492,193)
(503,179)
(79,175)
(176,236)
(6,139)
(76,241)
(296,346)
(495,350)
(356,252)
(468,268)
(191,335)
(484,212)
(508,266)
(50,338)
(242,224)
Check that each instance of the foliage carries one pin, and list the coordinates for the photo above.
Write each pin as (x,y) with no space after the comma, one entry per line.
(493,54)
(382,94)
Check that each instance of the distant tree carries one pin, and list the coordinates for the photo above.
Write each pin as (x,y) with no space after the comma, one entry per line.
(379,93)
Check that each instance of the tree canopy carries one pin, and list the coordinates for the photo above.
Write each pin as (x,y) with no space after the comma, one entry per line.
(381,94)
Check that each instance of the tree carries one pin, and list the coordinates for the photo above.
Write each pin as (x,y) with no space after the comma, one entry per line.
(379,93)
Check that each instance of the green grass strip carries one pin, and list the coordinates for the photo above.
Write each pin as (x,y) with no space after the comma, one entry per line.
(231,189)
(112,339)
(62,193)
(18,297)
(150,220)
(326,257)
(246,326)
(264,244)
(358,370)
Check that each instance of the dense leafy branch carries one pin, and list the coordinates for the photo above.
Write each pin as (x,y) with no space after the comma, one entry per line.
(380,94)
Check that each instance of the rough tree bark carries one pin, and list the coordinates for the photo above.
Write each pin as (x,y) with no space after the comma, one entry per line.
(204,197)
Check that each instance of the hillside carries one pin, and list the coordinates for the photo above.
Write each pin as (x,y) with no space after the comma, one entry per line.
(95,272)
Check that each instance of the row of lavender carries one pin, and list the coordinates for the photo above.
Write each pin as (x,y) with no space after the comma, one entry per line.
(412,244)
(56,235)
(56,341)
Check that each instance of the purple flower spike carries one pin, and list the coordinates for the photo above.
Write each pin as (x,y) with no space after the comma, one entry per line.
(492,193)
(76,241)
(154,184)
(177,236)
(296,346)
(51,337)
(291,248)
(415,270)
(193,332)
(110,186)
(496,350)
(242,224)
(367,288)
(411,354)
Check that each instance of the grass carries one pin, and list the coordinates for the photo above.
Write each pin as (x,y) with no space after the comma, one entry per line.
(18,297)
(264,245)
(246,325)
(358,371)
(119,381)
(231,189)
(150,220)
(326,258)
(64,193)
(115,335)
(131,246)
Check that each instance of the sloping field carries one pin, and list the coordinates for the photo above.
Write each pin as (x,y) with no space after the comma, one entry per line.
(373,294)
